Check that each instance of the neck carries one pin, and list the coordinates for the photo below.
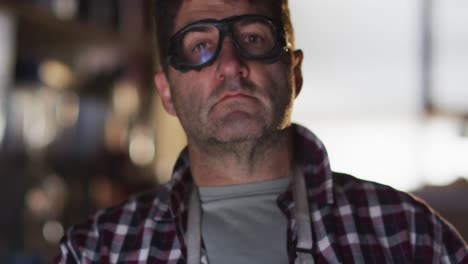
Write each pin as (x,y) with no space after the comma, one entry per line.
(242,162)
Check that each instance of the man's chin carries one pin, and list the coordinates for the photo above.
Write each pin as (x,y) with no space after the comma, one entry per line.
(238,132)
(237,136)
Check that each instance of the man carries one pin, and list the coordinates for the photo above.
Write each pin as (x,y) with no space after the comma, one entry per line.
(251,187)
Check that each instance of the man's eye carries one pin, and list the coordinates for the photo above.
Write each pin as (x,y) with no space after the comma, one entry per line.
(200,47)
(253,39)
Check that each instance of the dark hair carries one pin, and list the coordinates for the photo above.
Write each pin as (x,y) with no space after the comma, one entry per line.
(165,11)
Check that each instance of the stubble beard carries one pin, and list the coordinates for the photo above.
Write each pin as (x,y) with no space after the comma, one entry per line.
(235,132)
(240,132)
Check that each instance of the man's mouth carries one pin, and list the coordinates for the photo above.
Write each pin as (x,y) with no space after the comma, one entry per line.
(236,95)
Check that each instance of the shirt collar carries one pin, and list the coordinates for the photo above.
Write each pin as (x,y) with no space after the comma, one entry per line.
(312,155)
(172,198)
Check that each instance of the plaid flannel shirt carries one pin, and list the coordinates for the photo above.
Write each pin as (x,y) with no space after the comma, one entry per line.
(353,221)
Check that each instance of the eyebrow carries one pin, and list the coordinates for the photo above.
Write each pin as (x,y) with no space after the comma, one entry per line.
(200,28)
(251,21)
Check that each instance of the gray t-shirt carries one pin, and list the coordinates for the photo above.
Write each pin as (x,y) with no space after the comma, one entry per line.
(243,223)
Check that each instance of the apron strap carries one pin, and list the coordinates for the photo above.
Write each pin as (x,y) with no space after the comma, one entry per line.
(194,227)
(302,215)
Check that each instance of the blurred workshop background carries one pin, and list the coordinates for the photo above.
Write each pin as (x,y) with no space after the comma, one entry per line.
(81,127)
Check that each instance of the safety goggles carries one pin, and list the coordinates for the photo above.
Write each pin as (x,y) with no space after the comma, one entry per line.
(198,44)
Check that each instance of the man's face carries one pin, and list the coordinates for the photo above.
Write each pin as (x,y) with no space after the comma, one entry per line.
(233,99)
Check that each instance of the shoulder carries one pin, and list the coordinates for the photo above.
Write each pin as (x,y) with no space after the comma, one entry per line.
(130,212)
(380,201)
(121,224)
(369,193)
(398,216)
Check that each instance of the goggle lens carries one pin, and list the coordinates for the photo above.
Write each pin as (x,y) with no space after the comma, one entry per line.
(199,44)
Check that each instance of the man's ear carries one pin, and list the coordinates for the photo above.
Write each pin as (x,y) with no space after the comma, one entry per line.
(297,70)
(164,91)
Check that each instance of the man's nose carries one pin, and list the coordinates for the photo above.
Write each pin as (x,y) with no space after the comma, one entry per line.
(230,63)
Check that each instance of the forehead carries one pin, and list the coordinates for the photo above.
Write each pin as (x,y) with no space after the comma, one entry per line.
(194,10)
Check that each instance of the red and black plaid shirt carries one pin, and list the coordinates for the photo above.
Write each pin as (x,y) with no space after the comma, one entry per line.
(353,221)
